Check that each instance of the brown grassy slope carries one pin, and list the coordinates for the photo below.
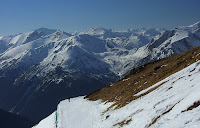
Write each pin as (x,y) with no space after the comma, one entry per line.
(122,92)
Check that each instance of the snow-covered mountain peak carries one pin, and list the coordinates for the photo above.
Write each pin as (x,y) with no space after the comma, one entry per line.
(192,28)
(152,31)
(59,35)
(46,31)
(185,31)
(196,25)
(174,41)
(96,31)
(89,43)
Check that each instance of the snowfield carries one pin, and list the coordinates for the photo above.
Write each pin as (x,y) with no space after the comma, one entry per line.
(166,107)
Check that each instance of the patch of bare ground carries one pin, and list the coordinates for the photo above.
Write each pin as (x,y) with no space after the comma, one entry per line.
(178,79)
(125,122)
(122,92)
(195,105)
(155,119)
(122,123)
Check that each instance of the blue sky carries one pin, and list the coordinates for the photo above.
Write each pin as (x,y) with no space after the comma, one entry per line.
(78,15)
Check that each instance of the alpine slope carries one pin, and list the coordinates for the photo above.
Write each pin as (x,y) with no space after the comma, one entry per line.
(51,64)
(171,102)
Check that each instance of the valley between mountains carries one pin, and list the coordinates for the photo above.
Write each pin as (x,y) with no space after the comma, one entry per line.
(38,69)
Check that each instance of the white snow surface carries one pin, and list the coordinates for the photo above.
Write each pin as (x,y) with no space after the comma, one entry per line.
(49,122)
(166,105)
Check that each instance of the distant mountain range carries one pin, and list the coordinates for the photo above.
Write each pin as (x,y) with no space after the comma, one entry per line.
(44,66)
